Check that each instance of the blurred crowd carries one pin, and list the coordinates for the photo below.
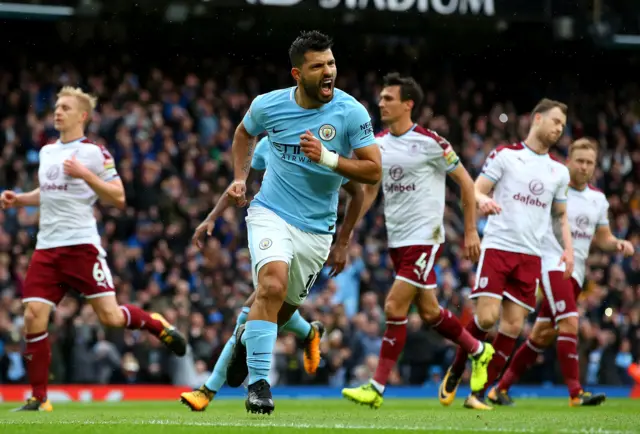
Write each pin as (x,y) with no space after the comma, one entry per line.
(171,138)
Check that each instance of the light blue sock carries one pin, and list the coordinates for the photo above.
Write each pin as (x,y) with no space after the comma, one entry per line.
(219,374)
(259,337)
(297,325)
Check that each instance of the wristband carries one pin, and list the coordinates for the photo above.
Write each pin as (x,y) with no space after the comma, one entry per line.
(328,159)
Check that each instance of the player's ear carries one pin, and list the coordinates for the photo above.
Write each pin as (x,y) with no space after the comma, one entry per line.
(537,117)
(409,104)
(295,73)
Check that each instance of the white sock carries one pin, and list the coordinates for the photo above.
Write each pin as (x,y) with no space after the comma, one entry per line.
(379,387)
(479,350)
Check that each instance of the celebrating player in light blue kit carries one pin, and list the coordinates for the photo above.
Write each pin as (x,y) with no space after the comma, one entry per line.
(199,399)
(313,129)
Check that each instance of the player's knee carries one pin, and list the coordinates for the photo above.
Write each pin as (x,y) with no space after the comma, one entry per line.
(542,334)
(511,326)
(36,317)
(394,308)
(487,318)
(271,288)
(568,325)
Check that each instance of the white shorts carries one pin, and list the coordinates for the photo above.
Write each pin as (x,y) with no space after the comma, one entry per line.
(272,239)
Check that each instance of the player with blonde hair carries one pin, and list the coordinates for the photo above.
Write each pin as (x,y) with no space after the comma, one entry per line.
(587,209)
(529,189)
(74,172)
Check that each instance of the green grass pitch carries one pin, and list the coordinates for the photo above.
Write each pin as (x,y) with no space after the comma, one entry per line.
(616,416)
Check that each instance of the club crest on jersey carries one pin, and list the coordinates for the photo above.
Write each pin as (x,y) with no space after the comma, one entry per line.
(396,172)
(265,244)
(53,173)
(327,132)
(582,221)
(536,187)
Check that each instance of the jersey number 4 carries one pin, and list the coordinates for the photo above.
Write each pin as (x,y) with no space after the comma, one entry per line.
(421,267)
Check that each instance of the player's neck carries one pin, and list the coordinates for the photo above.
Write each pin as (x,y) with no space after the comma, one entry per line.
(304,101)
(71,135)
(401,127)
(576,186)
(536,145)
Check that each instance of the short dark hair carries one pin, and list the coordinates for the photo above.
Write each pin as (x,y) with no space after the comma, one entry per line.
(547,104)
(410,90)
(308,41)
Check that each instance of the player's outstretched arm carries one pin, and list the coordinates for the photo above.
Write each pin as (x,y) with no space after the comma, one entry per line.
(208,223)
(468,193)
(605,240)
(338,256)
(562,231)
(11,199)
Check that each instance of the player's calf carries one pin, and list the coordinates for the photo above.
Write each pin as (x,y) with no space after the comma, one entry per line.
(486,316)
(567,350)
(511,323)
(132,317)
(37,354)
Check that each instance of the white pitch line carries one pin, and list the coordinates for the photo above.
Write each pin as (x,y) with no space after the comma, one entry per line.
(276,424)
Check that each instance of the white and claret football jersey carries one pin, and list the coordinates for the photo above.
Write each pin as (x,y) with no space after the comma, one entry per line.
(66,203)
(587,210)
(414,171)
(526,185)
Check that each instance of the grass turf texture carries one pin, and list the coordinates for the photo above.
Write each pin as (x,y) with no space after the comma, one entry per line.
(616,416)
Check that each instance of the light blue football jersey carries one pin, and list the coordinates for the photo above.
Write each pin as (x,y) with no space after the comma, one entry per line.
(261,155)
(301,192)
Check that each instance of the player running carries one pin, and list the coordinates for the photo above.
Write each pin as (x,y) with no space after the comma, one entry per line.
(529,188)
(415,165)
(73,173)
(311,333)
(558,316)
(313,129)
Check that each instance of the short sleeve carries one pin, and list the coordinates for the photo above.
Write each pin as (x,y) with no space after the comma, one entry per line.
(494,166)
(563,188)
(448,160)
(359,128)
(254,118)
(261,155)
(603,219)
(105,165)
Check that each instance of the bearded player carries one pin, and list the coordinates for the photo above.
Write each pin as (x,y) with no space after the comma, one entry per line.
(416,162)
(557,319)
(529,189)
(73,174)
(310,333)
(313,130)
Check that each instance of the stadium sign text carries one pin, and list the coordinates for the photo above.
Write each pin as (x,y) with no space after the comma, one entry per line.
(441,7)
